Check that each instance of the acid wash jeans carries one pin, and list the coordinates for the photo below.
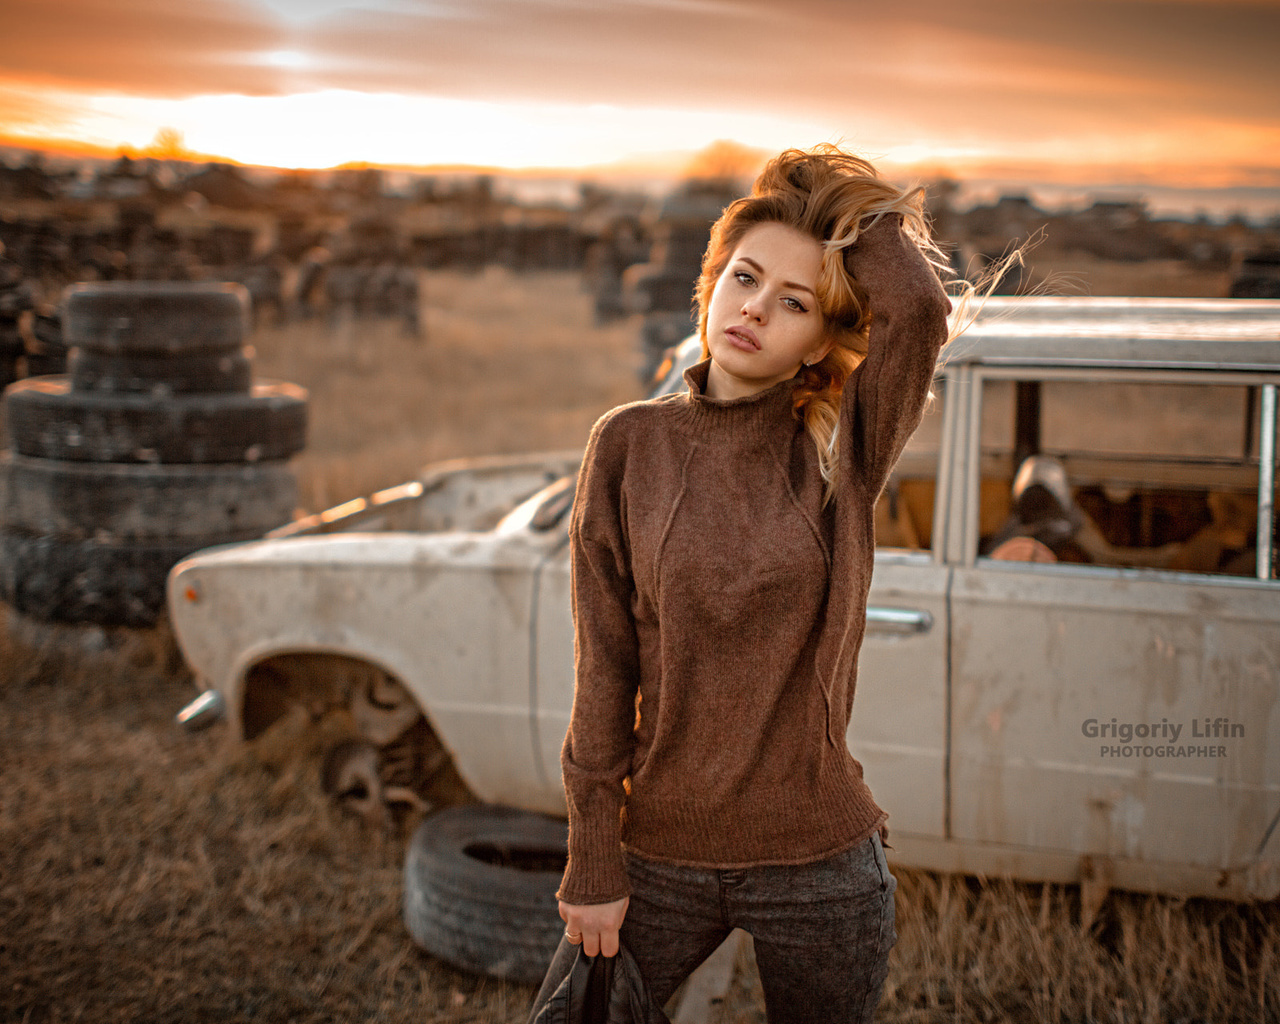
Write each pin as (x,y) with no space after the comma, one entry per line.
(822,931)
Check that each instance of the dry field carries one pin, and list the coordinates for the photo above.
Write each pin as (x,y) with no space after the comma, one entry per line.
(150,875)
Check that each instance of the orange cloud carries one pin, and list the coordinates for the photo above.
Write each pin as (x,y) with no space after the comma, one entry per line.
(152,47)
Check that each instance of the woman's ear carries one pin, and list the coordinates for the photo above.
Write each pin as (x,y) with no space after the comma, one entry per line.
(819,353)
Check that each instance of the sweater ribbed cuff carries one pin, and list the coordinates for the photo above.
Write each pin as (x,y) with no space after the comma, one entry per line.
(596,872)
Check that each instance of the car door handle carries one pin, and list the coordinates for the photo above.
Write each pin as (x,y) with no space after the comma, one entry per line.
(898,621)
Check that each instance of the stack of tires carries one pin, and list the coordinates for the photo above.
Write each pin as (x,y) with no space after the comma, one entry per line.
(157,443)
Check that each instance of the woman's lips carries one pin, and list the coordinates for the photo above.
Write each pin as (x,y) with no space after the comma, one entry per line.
(743,338)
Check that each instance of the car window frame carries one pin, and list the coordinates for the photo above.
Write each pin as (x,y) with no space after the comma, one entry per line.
(1267,381)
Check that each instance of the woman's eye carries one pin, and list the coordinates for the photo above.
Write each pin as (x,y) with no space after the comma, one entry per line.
(742,277)
(796,304)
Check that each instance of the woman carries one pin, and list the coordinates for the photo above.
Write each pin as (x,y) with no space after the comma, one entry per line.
(722,547)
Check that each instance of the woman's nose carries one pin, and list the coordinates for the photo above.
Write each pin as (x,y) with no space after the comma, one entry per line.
(753,308)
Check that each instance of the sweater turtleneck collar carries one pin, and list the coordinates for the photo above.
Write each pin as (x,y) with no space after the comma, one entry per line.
(754,415)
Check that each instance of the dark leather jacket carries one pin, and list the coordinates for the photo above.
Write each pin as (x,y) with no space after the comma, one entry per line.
(600,990)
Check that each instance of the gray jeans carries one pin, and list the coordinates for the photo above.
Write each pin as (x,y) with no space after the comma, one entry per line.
(822,931)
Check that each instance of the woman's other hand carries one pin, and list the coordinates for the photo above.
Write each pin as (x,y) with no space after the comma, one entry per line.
(595,925)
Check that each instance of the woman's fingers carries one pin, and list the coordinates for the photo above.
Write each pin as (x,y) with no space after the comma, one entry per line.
(580,930)
(609,943)
(595,926)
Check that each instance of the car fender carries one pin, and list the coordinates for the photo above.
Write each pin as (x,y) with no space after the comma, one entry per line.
(445,614)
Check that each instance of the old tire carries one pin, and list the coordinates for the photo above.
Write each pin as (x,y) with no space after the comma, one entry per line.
(99,581)
(480,889)
(48,418)
(125,503)
(191,373)
(157,317)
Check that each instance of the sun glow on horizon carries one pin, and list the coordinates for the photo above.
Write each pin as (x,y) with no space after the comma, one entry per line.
(337,127)
(334,126)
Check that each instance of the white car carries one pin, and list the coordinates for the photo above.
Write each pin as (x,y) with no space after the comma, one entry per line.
(1072,664)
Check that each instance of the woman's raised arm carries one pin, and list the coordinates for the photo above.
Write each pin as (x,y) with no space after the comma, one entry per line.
(884,399)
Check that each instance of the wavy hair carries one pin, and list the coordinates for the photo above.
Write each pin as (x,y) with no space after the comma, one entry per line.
(831,196)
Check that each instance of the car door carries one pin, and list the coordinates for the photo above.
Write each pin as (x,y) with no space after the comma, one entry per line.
(1119,699)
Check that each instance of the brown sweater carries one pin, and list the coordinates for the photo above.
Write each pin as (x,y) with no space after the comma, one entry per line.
(720,606)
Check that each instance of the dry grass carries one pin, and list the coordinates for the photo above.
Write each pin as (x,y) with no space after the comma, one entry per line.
(506,363)
(999,950)
(146,874)
(153,876)
(1081,274)
(1052,270)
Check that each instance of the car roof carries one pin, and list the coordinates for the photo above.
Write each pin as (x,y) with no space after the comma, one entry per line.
(1209,334)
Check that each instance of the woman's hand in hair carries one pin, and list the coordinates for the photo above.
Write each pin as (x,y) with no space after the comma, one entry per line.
(884,233)
(595,925)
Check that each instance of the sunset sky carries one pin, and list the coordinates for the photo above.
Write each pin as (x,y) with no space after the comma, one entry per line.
(1184,91)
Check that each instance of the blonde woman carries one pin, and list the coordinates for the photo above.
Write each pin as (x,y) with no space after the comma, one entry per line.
(722,548)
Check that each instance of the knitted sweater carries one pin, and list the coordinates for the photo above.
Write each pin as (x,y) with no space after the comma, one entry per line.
(719,607)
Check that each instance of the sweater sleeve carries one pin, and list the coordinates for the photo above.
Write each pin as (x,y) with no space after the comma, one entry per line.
(885,397)
(599,745)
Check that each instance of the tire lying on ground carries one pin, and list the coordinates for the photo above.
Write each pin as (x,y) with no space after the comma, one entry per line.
(111,583)
(479,889)
(85,500)
(50,418)
(157,317)
(192,372)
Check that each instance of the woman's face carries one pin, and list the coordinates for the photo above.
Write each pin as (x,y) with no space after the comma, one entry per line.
(764,321)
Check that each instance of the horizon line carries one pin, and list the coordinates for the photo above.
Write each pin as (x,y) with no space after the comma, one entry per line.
(673,164)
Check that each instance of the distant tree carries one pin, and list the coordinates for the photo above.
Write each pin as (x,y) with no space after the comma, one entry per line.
(169,145)
(725,161)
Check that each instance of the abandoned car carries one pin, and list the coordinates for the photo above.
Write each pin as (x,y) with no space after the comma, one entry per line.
(1072,663)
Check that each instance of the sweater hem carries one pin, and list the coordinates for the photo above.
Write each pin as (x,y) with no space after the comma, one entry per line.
(819,820)
(631,850)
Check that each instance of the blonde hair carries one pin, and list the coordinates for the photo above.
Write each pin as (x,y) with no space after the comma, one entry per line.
(832,197)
